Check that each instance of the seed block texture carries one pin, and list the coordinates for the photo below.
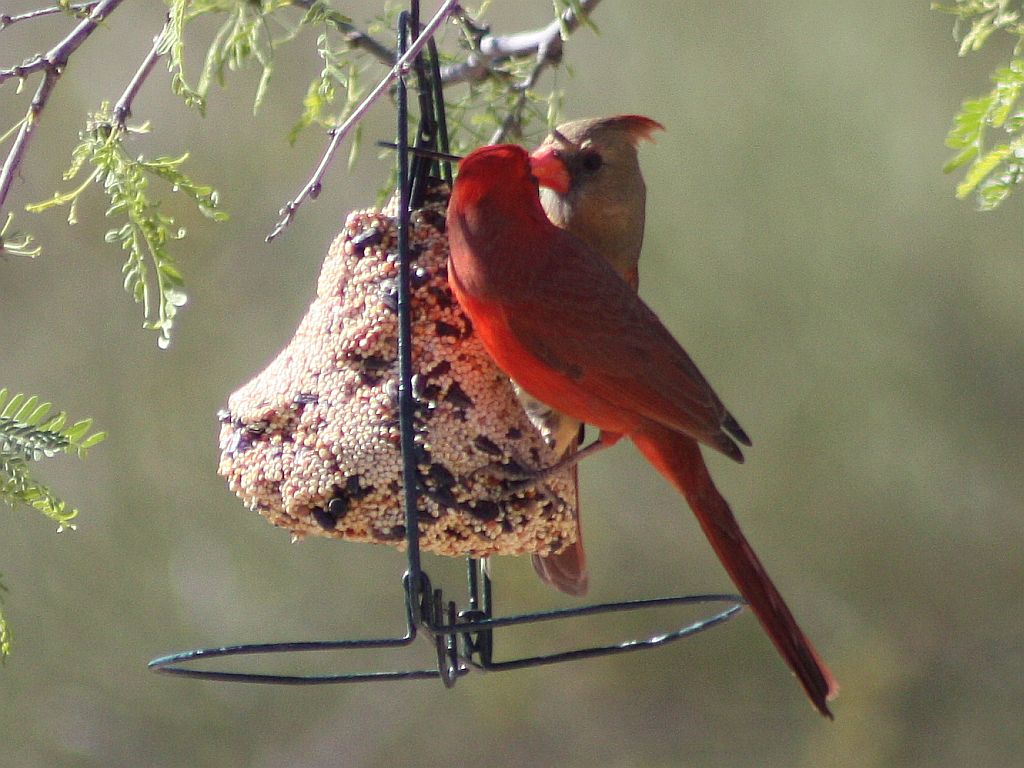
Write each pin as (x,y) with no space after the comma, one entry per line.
(312,442)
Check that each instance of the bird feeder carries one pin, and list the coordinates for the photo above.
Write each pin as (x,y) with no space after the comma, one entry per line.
(385,421)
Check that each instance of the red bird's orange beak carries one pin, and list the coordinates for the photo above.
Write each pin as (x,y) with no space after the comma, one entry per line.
(548,168)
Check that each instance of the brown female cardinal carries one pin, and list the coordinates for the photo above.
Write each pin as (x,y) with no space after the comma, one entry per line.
(591,187)
(568,329)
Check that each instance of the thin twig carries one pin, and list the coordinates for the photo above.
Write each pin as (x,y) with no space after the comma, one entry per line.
(21,141)
(6,20)
(359,39)
(123,108)
(53,64)
(312,188)
(494,49)
(356,38)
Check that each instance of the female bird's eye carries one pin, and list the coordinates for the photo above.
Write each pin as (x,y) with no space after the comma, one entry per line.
(592,161)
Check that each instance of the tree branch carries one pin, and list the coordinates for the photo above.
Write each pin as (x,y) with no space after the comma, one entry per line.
(52,64)
(7,20)
(494,49)
(123,108)
(401,67)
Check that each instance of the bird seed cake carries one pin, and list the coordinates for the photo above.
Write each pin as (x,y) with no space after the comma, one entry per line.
(312,442)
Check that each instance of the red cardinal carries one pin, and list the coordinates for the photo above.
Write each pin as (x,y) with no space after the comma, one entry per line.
(562,323)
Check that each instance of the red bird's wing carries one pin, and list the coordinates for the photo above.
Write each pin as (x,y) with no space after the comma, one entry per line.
(604,357)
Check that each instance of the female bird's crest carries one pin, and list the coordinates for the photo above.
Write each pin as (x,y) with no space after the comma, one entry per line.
(634,127)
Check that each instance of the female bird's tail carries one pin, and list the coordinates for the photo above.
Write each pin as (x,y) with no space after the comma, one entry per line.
(567,571)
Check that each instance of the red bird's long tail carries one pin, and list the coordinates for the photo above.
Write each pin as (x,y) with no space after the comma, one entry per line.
(679,459)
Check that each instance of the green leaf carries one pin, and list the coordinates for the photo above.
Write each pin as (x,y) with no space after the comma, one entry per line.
(77,431)
(980,169)
(93,439)
(13,405)
(26,409)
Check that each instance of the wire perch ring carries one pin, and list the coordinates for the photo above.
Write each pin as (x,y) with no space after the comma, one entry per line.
(463,639)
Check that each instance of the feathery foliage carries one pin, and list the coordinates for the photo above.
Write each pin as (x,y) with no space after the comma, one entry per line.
(994,164)
(145,233)
(339,79)
(244,36)
(29,434)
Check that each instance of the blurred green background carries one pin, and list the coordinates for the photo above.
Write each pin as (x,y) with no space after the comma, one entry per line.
(864,326)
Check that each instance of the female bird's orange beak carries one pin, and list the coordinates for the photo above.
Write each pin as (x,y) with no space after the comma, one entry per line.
(549,170)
